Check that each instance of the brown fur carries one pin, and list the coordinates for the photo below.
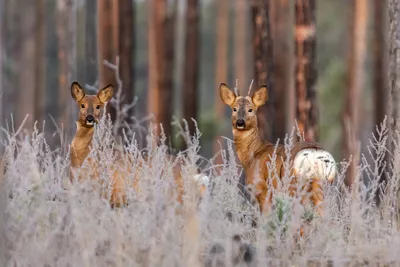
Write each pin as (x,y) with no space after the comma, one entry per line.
(254,153)
(82,141)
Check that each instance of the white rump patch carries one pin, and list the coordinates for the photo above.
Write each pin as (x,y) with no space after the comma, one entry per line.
(311,163)
(202,179)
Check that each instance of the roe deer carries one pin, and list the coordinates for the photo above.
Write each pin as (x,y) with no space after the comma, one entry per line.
(310,163)
(90,107)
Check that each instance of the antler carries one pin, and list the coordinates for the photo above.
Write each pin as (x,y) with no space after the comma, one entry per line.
(251,85)
(236,88)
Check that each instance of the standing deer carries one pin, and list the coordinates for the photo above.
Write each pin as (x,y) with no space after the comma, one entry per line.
(90,109)
(311,164)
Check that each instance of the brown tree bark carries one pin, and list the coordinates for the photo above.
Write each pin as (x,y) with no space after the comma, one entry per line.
(356,75)
(380,61)
(191,69)
(107,43)
(241,9)
(65,65)
(306,73)
(281,31)
(221,65)
(25,64)
(40,86)
(125,49)
(161,61)
(380,71)
(262,45)
(90,41)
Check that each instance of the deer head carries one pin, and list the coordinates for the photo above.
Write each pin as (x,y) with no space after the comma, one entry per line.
(90,106)
(244,108)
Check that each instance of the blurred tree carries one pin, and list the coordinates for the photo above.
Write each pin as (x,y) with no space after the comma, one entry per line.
(241,8)
(281,13)
(355,78)
(65,61)
(161,61)
(3,20)
(221,64)
(25,62)
(126,46)
(306,73)
(380,68)
(380,60)
(394,80)
(262,47)
(90,41)
(40,45)
(107,43)
(191,69)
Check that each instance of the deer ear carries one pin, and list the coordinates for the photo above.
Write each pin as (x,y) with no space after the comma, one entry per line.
(77,91)
(227,96)
(260,97)
(106,93)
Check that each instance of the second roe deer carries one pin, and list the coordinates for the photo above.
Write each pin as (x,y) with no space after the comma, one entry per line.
(311,164)
(90,109)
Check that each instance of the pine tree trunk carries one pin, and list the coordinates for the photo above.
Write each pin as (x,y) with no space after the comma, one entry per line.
(25,64)
(191,70)
(283,51)
(380,72)
(107,43)
(221,65)
(262,46)
(161,60)
(126,48)
(356,76)
(306,73)
(40,85)
(90,42)
(394,84)
(241,8)
(65,63)
(380,61)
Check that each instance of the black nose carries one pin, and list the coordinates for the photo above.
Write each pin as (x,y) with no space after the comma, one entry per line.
(90,118)
(240,123)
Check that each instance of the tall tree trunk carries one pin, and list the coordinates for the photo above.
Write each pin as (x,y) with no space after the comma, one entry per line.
(107,43)
(306,73)
(221,64)
(65,62)
(281,31)
(262,46)
(191,70)
(90,41)
(3,19)
(26,64)
(40,85)
(126,47)
(380,70)
(161,60)
(394,84)
(355,79)
(241,8)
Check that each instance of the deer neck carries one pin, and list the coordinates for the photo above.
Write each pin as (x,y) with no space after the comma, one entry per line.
(80,146)
(247,143)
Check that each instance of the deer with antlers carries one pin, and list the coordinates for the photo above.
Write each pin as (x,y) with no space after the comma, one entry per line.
(90,110)
(310,164)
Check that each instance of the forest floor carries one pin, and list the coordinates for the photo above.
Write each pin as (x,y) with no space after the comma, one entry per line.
(46,224)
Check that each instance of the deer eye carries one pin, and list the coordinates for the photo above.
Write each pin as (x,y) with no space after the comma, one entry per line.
(98,107)
(234,109)
(82,105)
(250,110)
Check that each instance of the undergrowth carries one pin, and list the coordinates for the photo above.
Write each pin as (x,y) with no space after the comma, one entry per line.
(44,223)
